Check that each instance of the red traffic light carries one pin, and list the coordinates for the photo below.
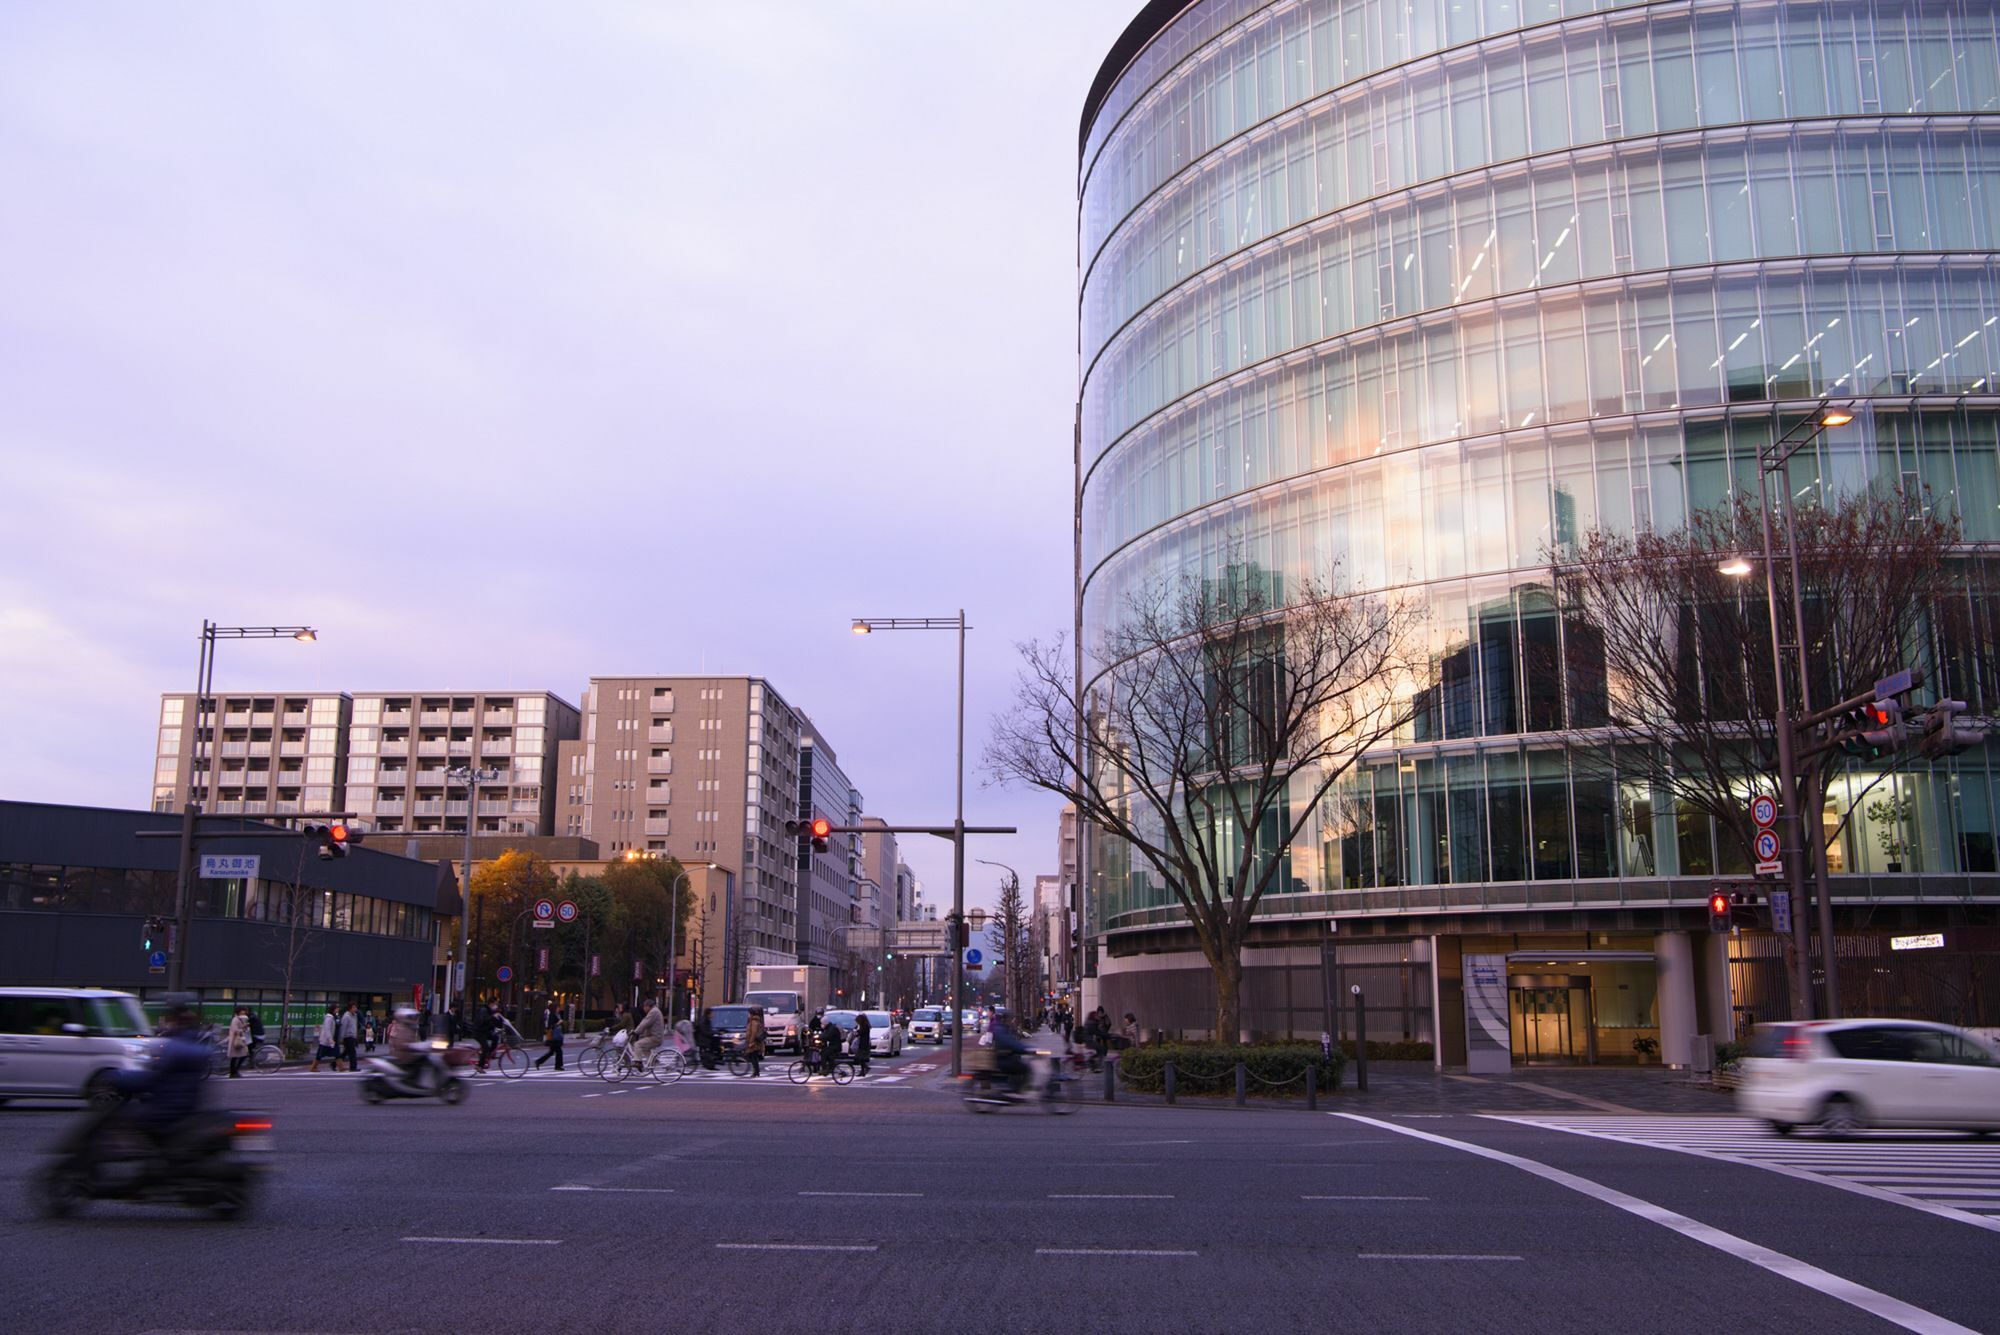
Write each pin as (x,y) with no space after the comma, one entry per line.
(1718,903)
(337,835)
(821,827)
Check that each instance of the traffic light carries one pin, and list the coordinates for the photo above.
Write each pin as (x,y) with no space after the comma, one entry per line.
(1718,912)
(150,934)
(812,831)
(1946,734)
(335,841)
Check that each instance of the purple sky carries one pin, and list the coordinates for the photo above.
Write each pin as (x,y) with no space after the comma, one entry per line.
(409,321)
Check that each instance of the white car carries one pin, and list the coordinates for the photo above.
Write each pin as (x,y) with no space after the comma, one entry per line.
(1843,1075)
(65,1042)
(929,1023)
(885,1036)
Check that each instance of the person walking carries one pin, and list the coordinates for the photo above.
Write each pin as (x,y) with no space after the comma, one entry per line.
(239,1041)
(1065,1020)
(864,1046)
(753,1040)
(552,1025)
(326,1038)
(350,1036)
(704,1039)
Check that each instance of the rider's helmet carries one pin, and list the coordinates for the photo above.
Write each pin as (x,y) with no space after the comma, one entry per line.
(406,1014)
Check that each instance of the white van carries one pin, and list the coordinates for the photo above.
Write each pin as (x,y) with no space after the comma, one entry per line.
(64,1042)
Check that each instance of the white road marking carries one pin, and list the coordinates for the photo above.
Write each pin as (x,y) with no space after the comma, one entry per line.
(1102,1196)
(1364,1198)
(1110,1251)
(633,1191)
(791,1247)
(497,1242)
(1433,1256)
(1897,1171)
(1893,1310)
(906,1194)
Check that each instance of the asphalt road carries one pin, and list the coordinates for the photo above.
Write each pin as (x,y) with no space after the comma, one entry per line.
(557,1204)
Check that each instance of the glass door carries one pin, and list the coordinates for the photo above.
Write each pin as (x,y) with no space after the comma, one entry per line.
(1542,1026)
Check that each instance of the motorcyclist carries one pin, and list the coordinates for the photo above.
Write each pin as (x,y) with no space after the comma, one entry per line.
(1010,1051)
(165,1093)
(406,1048)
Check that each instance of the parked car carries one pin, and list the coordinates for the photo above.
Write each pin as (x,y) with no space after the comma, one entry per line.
(65,1042)
(929,1023)
(1843,1075)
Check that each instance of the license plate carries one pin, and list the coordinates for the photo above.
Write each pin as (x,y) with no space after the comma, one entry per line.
(253,1144)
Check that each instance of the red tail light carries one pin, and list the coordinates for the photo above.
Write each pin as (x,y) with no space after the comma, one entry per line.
(1797,1045)
(244,1128)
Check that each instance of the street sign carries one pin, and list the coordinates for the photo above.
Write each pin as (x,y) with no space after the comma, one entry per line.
(1764,811)
(1891,686)
(504,974)
(1775,867)
(542,957)
(593,966)
(566,911)
(1928,941)
(458,977)
(229,866)
(1767,846)
(638,970)
(1781,912)
(975,959)
(156,962)
(545,911)
(544,922)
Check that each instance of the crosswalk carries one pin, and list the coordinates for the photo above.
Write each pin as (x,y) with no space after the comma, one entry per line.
(1942,1173)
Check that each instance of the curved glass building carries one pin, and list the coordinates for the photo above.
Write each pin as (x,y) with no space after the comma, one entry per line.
(1429,289)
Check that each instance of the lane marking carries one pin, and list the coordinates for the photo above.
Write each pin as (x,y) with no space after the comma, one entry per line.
(1829,1178)
(1364,1198)
(791,1247)
(1893,1310)
(497,1242)
(632,1191)
(898,1194)
(1103,1196)
(1433,1256)
(1110,1251)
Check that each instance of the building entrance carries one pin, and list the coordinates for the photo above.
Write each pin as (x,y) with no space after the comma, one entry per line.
(1551,1019)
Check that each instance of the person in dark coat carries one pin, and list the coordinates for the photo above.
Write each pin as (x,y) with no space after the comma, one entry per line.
(864,1047)
(704,1039)
(554,1034)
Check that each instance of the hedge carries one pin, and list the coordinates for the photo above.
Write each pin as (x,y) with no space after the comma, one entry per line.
(1401,1050)
(1210,1068)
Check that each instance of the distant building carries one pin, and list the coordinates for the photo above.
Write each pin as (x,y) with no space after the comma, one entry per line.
(1051,930)
(829,882)
(262,753)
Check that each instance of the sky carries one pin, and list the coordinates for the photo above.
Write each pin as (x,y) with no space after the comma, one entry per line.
(511,343)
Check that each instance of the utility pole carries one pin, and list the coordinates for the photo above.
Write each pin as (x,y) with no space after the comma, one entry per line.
(471,777)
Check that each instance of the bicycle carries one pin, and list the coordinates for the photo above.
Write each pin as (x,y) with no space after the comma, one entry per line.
(739,1064)
(265,1057)
(841,1073)
(663,1065)
(588,1060)
(510,1061)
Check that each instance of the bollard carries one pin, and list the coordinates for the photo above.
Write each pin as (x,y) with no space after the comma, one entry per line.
(1312,1089)
(1360,1039)
(1242,1084)
(1170,1082)
(1110,1082)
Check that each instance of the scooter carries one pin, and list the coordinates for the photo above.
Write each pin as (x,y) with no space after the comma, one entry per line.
(991,1090)
(433,1078)
(214,1162)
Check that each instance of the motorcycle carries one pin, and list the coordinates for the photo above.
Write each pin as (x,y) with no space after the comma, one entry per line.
(991,1090)
(212,1162)
(433,1078)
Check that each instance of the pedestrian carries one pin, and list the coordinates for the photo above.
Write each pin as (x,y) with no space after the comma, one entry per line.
(350,1036)
(239,1041)
(864,1047)
(553,1032)
(256,1030)
(704,1039)
(1065,1021)
(326,1038)
(368,1030)
(424,1027)
(753,1040)
(1128,1033)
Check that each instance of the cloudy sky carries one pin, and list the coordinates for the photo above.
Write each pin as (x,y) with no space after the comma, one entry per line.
(512,343)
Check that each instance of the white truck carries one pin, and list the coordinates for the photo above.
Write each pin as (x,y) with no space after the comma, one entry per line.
(789,994)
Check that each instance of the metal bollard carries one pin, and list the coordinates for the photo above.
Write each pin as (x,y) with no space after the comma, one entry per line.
(1170,1081)
(1110,1082)
(1312,1089)
(1242,1084)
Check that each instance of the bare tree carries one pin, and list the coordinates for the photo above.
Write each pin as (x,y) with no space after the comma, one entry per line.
(1671,659)
(300,910)
(1219,718)
(1010,940)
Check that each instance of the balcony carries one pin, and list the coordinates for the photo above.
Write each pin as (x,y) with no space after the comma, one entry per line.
(457,749)
(456,807)
(434,718)
(291,778)
(487,808)
(285,804)
(659,824)
(398,719)
(431,778)
(497,746)
(659,764)
(431,749)
(236,748)
(660,732)
(261,746)
(297,719)
(389,806)
(236,719)
(229,805)
(498,718)
(399,747)
(427,808)
(461,718)
(260,720)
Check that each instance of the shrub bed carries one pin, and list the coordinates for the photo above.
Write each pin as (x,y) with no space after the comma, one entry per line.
(1398,1051)
(1276,1069)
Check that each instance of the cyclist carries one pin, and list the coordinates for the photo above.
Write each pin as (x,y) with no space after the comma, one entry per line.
(1009,1050)
(651,1032)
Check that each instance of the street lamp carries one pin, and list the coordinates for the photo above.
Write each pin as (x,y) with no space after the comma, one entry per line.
(1771,459)
(471,777)
(191,809)
(868,626)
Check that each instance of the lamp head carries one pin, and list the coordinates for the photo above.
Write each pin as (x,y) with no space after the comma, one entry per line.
(308,635)
(1836,417)
(861,627)
(1737,566)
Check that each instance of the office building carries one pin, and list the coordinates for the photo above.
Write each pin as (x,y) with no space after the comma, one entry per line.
(1417,295)
(829,883)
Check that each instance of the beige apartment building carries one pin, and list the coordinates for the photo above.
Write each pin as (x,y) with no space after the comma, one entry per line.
(402,746)
(260,753)
(705,769)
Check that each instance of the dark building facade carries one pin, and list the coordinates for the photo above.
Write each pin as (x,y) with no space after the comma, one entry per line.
(78,883)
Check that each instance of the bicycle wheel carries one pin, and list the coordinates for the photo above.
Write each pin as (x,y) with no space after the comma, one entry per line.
(513,1062)
(616,1066)
(664,1067)
(797,1073)
(739,1064)
(586,1061)
(267,1058)
(843,1072)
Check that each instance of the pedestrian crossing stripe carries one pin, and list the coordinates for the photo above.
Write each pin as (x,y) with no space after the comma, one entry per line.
(1940,1173)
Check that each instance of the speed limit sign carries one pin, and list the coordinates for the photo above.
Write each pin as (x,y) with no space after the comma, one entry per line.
(1764,810)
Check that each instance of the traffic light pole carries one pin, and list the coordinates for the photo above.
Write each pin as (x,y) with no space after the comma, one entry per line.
(1793,851)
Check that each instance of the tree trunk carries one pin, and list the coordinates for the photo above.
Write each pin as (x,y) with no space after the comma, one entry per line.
(1228,970)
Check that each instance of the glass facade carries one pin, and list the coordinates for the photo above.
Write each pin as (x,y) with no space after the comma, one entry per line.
(1422,293)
